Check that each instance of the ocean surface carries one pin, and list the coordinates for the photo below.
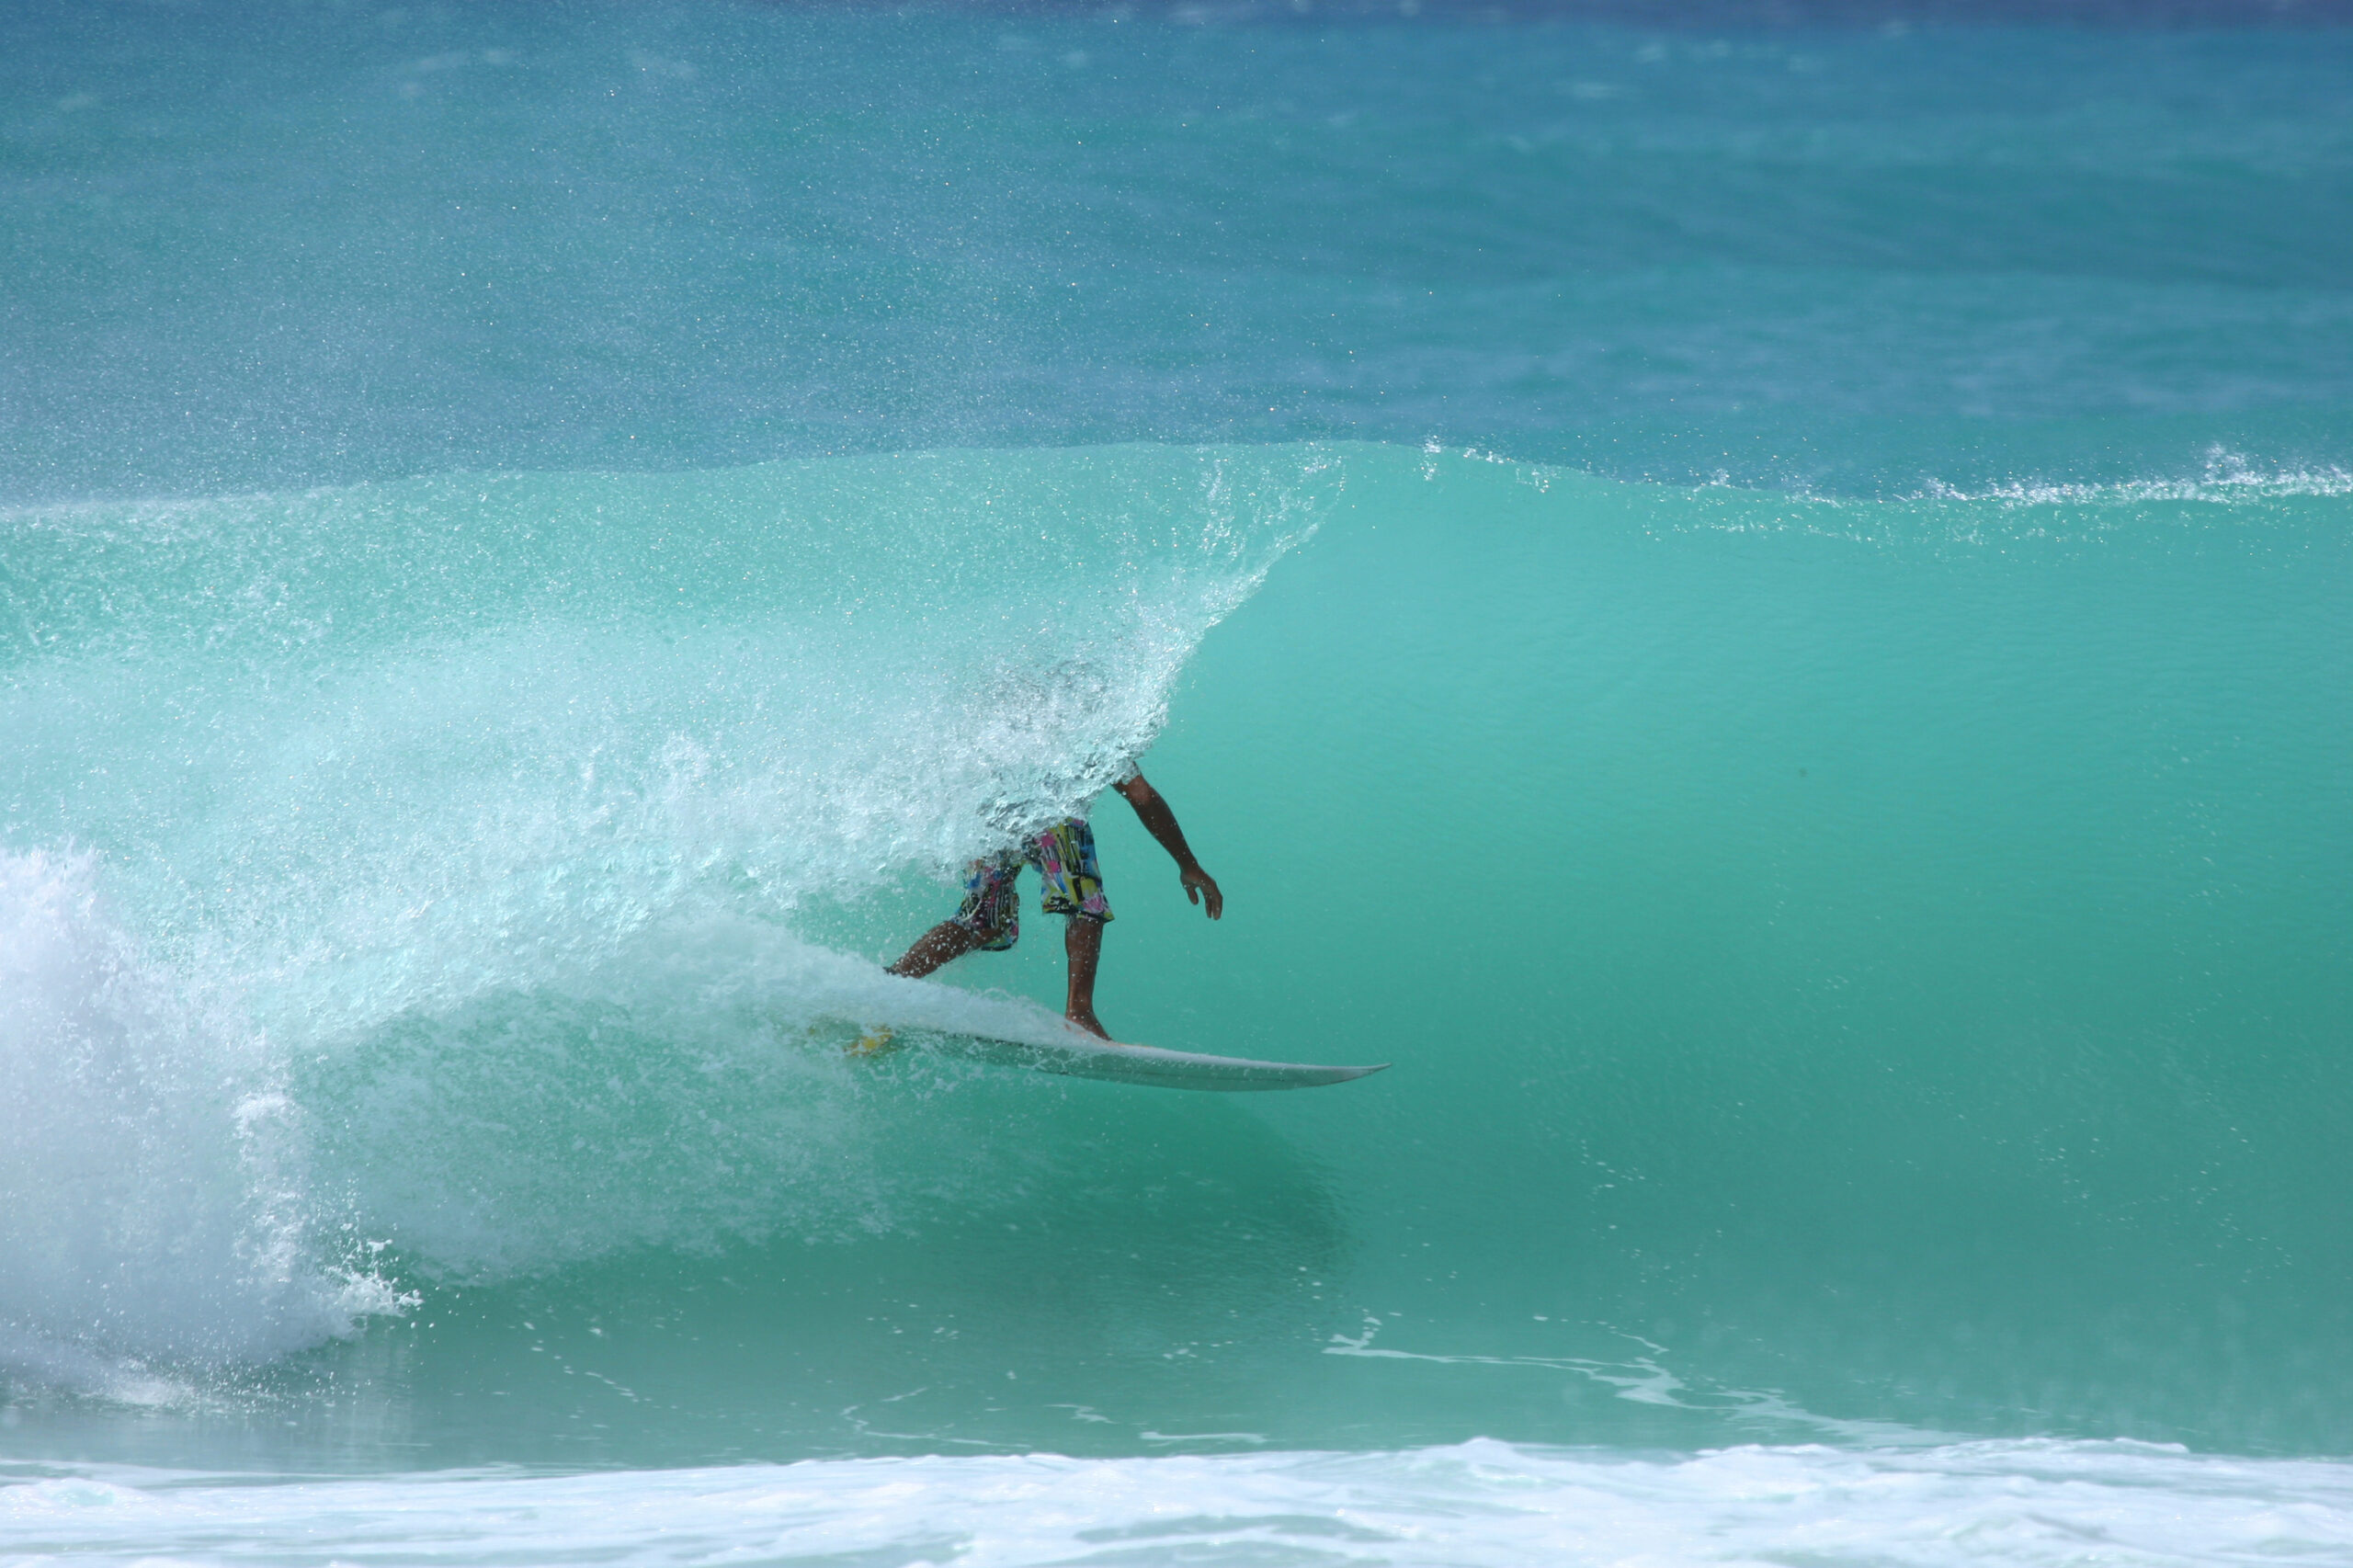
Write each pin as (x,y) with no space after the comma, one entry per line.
(1763,604)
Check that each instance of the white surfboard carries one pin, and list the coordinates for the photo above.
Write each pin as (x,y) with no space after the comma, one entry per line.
(1080,1057)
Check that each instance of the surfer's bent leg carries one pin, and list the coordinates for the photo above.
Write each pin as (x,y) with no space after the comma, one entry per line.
(941,944)
(989,920)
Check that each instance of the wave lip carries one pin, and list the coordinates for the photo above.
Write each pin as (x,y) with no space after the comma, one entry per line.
(1465,1505)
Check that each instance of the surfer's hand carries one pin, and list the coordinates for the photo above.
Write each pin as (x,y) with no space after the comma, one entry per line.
(1200,884)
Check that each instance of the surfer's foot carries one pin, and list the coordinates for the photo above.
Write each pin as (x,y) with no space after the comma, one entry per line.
(1084,1019)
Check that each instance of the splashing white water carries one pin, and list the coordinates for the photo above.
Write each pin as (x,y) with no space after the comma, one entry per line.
(475,807)
(152,1199)
(690,1092)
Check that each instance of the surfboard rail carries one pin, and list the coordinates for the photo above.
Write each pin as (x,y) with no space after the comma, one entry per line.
(1112,1061)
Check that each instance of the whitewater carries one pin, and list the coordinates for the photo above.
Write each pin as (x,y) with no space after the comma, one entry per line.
(1761,606)
(1473,1503)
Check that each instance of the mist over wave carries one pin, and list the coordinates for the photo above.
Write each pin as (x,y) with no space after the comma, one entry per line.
(502,786)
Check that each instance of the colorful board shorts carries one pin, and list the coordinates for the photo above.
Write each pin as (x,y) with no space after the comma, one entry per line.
(1064,856)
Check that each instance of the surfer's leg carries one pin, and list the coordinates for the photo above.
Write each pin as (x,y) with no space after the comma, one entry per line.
(989,919)
(1064,856)
(937,946)
(1083,942)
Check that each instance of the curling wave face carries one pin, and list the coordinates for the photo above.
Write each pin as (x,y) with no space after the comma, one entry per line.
(1857,969)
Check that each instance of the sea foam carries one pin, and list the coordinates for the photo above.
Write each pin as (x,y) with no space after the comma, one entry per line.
(1465,1505)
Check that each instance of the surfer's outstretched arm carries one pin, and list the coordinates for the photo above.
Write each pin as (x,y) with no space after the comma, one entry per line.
(1161,822)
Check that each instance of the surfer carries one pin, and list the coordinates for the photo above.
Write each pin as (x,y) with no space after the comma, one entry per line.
(990,918)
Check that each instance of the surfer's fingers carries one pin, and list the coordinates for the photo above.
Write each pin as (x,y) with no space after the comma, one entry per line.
(1208,890)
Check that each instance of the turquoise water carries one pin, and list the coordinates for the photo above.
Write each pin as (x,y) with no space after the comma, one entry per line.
(1763,612)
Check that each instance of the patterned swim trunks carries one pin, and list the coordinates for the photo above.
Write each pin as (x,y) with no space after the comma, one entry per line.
(1064,856)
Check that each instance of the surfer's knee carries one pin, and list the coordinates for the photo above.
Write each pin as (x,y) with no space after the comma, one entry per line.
(978,938)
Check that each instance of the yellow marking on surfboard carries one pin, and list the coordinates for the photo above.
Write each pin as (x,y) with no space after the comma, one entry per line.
(873,1042)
